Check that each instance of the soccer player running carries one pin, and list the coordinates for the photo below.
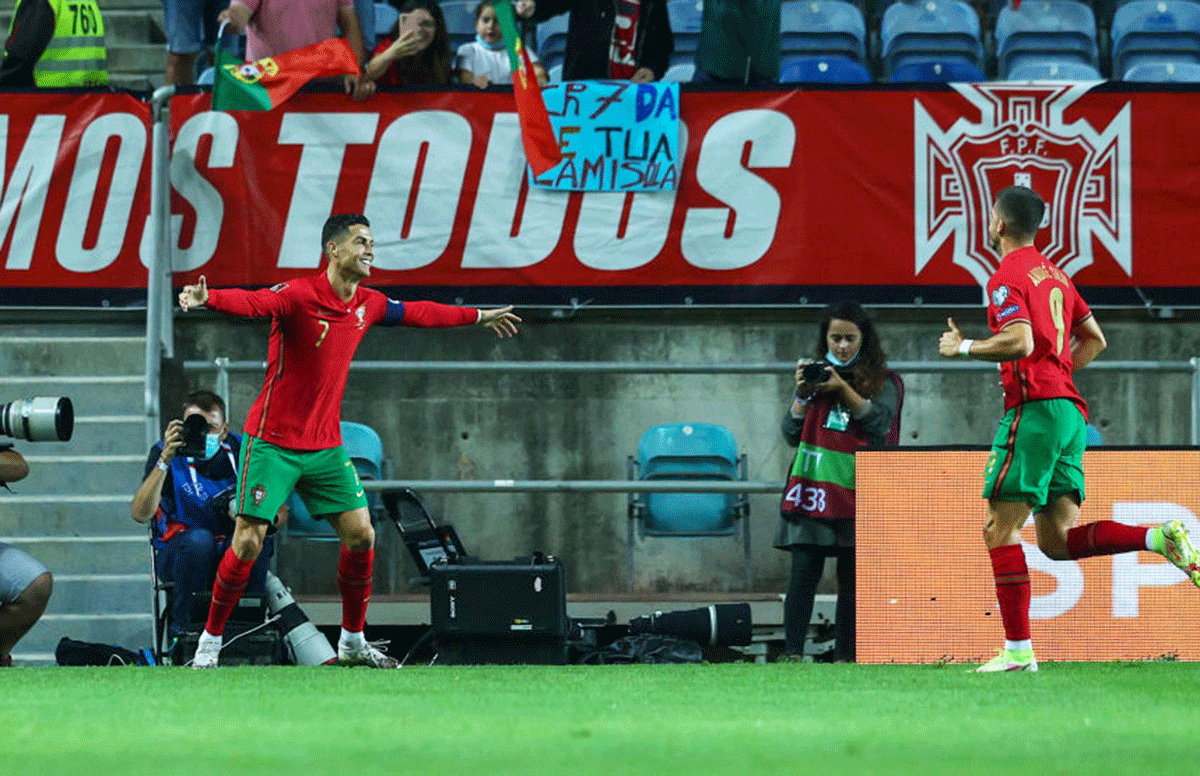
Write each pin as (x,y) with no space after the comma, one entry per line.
(293,435)
(1043,333)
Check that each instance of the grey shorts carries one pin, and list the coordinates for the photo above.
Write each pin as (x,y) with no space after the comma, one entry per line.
(18,569)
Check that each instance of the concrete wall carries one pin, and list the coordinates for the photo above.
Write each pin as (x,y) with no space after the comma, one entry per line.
(488,426)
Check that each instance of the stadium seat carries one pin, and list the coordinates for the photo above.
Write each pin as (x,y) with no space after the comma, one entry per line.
(830,70)
(552,40)
(1060,29)
(554,74)
(460,22)
(206,76)
(822,28)
(941,30)
(1054,71)
(702,451)
(386,17)
(1165,72)
(685,16)
(1150,30)
(1093,436)
(680,73)
(936,71)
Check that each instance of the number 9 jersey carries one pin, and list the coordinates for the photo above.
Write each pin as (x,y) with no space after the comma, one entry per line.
(1027,288)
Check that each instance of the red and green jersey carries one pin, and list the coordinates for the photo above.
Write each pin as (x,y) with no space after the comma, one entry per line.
(1029,289)
(314,334)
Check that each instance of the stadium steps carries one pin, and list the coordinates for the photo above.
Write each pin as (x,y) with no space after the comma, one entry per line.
(72,511)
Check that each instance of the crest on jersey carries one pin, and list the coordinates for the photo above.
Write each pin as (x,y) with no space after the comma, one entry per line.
(1022,138)
(258,493)
(361,314)
(999,295)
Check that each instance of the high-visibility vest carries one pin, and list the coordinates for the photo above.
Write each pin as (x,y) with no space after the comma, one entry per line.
(75,55)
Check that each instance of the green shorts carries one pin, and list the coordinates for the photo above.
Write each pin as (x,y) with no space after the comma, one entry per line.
(325,480)
(1037,454)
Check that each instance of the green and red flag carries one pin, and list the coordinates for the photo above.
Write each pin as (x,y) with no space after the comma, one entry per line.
(541,149)
(264,84)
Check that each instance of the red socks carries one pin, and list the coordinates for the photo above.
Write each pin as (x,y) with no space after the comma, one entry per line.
(354,583)
(1012,590)
(1105,537)
(232,575)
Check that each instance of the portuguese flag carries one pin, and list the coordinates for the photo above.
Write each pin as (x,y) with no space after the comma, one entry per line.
(541,149)
(264,84)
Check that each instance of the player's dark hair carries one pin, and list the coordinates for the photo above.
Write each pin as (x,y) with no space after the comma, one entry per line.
(207,401)
(1021,210)
(870,369)
(336,227)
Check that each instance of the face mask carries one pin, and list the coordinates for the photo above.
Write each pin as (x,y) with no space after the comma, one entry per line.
(488,45)
(212,444)
(837,361)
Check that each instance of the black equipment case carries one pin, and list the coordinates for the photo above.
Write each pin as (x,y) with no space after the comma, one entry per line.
(497,612)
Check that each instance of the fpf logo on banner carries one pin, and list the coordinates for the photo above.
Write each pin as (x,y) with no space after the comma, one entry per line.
(1082,172)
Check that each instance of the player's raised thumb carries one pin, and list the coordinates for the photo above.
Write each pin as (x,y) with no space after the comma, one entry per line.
(203,284)
(953,326)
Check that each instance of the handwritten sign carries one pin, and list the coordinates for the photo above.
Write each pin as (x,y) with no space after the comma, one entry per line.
(614,136)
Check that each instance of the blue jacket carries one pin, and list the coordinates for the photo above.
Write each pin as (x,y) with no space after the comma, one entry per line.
(189,494)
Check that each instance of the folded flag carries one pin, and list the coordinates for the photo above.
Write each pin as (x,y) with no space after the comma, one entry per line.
(264,84)
(541,149)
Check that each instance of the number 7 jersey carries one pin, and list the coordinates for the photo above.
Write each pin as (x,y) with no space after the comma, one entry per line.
(1028,288)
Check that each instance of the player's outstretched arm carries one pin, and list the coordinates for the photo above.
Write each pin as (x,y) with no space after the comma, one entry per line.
(1089,342)
(194,295)
(501,320)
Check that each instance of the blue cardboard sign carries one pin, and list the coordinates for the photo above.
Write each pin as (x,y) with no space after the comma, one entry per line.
(614,136)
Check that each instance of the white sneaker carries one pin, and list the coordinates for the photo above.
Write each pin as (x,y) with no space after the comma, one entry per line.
(365,654)
(207,651)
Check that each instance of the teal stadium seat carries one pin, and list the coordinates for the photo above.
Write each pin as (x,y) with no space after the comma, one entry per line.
(703,451)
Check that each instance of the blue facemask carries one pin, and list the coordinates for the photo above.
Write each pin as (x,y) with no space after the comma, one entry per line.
(837,361)
(212,444)
(492,46)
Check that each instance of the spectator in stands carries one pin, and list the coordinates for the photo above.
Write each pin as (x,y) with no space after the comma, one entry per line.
(53,43)
(191,29)
(607,39)
(417,50)
(739,42)
(485,61)
(191,523)
(846,399)
(275,26)
(25,584)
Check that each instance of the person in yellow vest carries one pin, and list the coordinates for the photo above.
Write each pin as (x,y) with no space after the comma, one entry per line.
(55,43)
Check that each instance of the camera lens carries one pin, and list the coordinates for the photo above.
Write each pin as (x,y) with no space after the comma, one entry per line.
(814,372)
(40,419)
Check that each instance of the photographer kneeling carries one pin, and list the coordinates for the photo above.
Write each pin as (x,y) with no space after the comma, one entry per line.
(192,527)
(25,584)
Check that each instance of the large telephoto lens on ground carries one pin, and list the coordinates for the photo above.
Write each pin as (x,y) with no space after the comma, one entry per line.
(40,419)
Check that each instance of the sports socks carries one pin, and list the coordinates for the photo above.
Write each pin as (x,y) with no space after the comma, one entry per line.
(354,583)
(1012,590)
(1105,537)
(232,576)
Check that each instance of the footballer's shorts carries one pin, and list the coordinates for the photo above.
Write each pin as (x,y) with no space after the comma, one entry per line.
(325,480)
(1037,454)
(18,569)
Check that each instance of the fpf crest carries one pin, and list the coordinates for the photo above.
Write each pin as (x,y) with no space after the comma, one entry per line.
(251,72)
(1082,172)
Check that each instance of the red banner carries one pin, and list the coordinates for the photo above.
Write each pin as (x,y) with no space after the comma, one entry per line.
(792,190)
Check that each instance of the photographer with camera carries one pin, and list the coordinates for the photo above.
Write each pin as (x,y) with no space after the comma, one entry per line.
(190,479)
(25,584)
(845,398)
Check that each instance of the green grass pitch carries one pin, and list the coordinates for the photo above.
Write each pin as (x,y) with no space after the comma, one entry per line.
(1070,718)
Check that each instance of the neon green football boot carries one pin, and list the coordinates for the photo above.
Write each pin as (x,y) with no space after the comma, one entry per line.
(1177,548)
(1010,660)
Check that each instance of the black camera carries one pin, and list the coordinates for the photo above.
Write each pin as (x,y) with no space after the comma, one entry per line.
(815,371)
(195,427)
(40,419)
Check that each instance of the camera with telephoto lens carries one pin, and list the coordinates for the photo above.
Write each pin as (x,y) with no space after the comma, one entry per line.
(195,428)
(39,419)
